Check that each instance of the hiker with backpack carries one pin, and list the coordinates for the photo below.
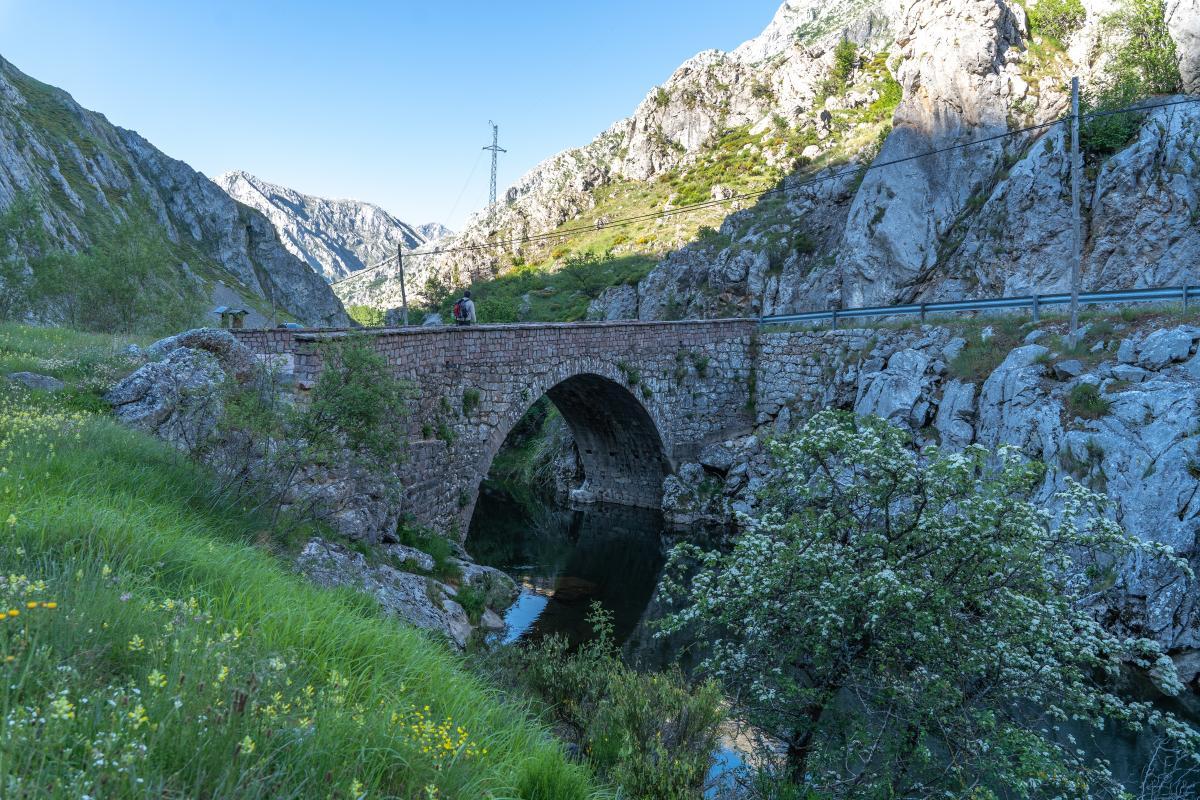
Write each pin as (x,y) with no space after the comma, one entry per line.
(464,310)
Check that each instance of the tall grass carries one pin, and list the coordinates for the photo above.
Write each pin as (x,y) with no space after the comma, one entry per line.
(167,653)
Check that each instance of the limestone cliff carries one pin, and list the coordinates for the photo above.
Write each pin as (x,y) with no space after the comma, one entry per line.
(90,180)
(335,237)
(827,89)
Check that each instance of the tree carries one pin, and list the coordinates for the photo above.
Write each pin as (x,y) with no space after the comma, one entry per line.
(1146,63)
(912,625)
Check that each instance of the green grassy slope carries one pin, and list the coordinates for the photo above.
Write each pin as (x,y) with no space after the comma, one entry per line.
(153,646)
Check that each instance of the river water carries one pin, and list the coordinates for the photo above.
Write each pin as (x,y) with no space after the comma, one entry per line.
(565,559)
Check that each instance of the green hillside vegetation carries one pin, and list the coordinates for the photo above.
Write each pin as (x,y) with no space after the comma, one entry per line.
(554,280)
(131,261)
(154,644)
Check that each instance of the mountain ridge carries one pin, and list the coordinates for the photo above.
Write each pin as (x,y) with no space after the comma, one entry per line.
(84,185)
(336,237)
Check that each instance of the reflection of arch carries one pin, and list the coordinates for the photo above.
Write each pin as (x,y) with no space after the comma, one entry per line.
(624,457)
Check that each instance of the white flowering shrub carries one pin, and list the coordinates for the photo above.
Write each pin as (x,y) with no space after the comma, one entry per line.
(911,625)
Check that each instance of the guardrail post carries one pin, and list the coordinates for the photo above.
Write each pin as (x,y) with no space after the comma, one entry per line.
(922,313)
(835,319)
(1037,310)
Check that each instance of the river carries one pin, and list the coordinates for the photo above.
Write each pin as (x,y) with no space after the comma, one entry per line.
(567,558)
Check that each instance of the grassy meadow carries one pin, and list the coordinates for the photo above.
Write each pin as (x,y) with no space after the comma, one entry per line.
(154,644)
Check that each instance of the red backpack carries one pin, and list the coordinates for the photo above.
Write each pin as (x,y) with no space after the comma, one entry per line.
(460,311)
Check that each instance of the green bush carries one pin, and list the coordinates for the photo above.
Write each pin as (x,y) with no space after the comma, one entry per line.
(473,602)
(1057,19)
(367,316)
(651,735)
(435,546)
(1146,64)
(845,58)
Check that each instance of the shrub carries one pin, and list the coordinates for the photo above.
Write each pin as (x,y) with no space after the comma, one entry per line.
(912,623)
(761,90)
(1085,400)
(1146,64)
(652,735)
(1057,19)
(845,58)
(367,316)
(473,602)
(470,401)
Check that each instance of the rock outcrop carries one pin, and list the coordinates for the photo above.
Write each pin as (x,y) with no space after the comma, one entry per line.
(90,177)
(335,237)
(418,599)
(1122,420)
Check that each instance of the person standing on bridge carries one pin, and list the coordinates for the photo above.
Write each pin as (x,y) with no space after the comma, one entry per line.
(464,310)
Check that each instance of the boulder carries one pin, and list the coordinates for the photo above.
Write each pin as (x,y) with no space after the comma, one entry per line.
(410,555)
(1165,347)
(234,357)
(498,589)
(32,380)
(419,600)
(1065,370)
(895,393)
(176,399)
(717,456)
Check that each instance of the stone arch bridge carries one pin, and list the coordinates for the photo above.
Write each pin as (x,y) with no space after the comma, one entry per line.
(639,397)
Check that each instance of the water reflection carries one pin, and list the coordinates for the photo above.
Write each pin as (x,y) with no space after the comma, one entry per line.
(566,559)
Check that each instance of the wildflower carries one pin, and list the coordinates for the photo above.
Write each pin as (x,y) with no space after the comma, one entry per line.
(62,708)
(223,674)
(136,644)
(156,679)
(356,789)
(12,612)
(246,745)
(31,604)
(138,716)
(105,571)
(50,605)
(12,520)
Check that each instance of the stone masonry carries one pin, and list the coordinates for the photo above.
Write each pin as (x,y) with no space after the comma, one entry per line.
(640,398)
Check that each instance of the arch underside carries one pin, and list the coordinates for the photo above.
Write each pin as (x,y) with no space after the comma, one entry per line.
(618,443)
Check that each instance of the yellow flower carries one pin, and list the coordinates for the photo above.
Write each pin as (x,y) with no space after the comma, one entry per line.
(136,644)
(12,520)
(223,674)
(51,605)
(62,708)
(156,679)
(31,604)
(246,745)
(356,790)
(106,571)
(12,612)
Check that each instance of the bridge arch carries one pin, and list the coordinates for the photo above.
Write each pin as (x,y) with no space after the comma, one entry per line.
(617,429)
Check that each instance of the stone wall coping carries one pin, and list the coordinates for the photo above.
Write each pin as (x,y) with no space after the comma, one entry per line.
(321,334)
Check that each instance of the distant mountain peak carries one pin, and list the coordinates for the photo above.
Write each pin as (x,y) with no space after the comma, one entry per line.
(337,238)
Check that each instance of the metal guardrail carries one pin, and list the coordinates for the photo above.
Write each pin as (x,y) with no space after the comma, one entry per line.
(1035,303)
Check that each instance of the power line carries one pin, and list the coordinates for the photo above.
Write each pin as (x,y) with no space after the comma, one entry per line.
(782,189)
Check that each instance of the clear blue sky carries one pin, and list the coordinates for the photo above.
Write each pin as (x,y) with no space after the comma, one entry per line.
(380,101)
